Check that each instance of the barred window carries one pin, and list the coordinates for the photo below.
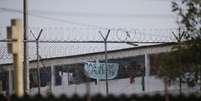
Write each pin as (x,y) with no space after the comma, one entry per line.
(69,74)
(45,77)
(4,80)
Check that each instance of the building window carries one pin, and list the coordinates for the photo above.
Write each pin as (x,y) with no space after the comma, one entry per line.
(69,74)
(45,77)
(58,75)
(130,67)
(4,80)
(33,78)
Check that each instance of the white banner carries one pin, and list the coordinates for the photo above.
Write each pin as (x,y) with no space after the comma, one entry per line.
(98,70)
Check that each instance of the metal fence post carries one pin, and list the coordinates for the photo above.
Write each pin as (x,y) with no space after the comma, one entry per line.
(106,59)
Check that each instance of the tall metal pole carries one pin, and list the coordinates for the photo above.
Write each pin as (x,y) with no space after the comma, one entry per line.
(26,52)
(106,67)
(38,68)
(38,58)
(106,59)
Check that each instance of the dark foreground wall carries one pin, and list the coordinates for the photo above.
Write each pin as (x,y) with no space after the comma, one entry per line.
(102,98)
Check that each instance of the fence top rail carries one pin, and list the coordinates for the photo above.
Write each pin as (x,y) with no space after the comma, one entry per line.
(87,41)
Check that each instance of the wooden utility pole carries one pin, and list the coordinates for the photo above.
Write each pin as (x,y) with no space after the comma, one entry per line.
(26,51)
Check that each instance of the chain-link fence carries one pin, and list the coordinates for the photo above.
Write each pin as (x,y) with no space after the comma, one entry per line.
(57,49)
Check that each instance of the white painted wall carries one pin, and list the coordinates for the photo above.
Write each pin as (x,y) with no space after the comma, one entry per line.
(116,87)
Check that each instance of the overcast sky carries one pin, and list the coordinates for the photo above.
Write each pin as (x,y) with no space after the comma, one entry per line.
(153,17)
(104,13)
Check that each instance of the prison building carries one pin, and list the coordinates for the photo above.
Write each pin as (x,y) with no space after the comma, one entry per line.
(135,73)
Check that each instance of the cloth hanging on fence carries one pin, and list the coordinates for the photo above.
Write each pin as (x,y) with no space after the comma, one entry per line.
(98,70)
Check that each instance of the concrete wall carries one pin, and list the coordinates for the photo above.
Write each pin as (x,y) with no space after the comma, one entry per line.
(116,87)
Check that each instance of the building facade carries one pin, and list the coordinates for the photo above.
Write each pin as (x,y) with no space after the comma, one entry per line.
(136,73)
